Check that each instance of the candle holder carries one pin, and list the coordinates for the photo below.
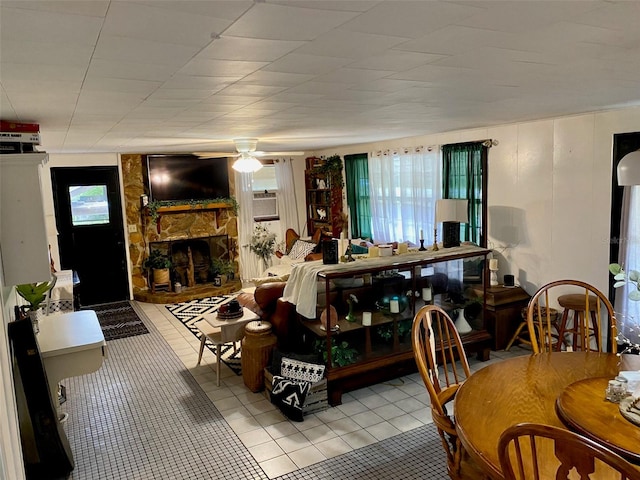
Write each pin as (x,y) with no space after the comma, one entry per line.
(422,249)
(435,240)
(493,278)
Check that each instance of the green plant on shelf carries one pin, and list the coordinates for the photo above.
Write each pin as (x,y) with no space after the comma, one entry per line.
(332,167)
(35,293)
(341,353)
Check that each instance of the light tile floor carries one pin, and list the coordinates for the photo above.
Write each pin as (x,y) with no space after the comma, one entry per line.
(280,446)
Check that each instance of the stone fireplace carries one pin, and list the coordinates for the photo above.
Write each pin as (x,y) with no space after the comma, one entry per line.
(202,249)
(217,223)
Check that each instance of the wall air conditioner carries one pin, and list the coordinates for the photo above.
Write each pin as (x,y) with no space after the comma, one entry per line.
(265,206)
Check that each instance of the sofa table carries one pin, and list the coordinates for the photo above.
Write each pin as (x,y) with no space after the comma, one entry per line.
(389,288)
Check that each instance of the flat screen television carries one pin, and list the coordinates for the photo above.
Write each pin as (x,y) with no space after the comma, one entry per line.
(186,177)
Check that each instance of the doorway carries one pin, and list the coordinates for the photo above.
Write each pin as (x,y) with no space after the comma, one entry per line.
(91,241)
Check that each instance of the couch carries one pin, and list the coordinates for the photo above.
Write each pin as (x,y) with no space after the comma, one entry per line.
(266,302)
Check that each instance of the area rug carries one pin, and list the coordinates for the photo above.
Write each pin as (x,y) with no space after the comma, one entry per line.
(118,320)
(191,312)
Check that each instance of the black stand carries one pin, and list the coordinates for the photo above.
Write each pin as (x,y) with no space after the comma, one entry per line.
(421,249)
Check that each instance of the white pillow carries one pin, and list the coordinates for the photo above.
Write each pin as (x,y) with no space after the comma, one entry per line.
(301,249)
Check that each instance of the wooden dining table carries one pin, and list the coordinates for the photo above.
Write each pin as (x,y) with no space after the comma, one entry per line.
(528,389)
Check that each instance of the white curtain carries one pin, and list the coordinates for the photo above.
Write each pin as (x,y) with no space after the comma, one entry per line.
(628,311)
(250,264)
(287,203)
(404,186)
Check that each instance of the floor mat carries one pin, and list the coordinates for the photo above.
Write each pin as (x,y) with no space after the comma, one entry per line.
(118,320)
(191,312)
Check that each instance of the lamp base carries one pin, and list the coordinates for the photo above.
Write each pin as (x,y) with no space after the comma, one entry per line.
(450,234)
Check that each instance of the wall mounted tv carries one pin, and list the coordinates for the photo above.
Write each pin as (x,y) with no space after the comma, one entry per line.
(186,177)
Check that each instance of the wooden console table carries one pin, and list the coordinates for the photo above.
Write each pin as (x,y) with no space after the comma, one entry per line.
(503,312)
(383,348)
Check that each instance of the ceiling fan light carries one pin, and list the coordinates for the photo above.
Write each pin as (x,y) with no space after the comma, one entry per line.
(629,169)
(246,144)
(246,164)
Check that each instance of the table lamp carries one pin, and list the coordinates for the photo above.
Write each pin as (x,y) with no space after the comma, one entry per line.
(629,169)
(451,212)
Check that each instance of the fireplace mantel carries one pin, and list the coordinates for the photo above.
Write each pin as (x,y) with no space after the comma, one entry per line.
(186,207)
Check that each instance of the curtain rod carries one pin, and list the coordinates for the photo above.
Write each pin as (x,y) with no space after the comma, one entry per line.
(488,142)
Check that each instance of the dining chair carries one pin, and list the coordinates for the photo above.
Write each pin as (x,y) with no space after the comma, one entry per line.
(214,335)
(443,366)
(582,304)
(530,451)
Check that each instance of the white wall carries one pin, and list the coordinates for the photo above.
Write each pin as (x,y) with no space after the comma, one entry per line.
(549,193)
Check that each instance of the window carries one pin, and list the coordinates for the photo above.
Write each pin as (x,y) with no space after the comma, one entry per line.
(89,205)
(265,191)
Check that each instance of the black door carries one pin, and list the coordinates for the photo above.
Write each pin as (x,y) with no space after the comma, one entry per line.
(90,231)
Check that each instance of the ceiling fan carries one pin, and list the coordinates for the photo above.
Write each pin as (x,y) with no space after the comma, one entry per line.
(246,153)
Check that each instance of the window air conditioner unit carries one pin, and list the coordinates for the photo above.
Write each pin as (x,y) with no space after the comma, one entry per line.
(265,206)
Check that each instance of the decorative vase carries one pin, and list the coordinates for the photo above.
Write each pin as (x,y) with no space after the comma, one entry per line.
(35,316)
(350,316)
(461,323)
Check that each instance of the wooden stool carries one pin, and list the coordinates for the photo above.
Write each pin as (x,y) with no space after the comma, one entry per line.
(523,336)
(575,305)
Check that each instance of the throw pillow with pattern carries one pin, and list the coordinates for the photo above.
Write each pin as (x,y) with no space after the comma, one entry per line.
(297,370)
(301,249)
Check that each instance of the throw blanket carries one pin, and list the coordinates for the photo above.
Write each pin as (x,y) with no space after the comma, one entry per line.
(289,396)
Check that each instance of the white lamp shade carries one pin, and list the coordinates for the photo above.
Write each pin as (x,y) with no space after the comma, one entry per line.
(629,169)
(451,210)
(247,164)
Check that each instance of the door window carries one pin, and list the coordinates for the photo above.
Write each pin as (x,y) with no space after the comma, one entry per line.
(89,205)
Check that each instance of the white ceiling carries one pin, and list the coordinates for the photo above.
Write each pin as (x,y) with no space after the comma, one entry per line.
(182,75)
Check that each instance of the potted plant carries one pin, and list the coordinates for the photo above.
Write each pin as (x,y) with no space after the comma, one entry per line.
(159,264)
(35,294)
(341,353)
(222,268)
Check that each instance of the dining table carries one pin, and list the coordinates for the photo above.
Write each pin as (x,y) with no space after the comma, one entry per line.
(545,388)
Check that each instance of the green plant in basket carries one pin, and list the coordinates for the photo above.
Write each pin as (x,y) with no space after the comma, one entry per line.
(156,261)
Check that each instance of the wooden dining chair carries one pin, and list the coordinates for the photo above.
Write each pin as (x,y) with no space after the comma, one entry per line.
(443,366)
(587,306)
(530,451)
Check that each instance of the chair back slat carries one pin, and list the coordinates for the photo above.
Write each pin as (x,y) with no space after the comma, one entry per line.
(437,347)
(541,452)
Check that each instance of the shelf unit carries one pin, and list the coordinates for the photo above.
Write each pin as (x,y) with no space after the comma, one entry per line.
(384,349)
(324,197)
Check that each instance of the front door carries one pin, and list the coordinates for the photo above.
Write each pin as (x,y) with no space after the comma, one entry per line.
(88,214)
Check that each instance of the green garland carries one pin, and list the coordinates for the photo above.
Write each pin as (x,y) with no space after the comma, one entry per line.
(154,206)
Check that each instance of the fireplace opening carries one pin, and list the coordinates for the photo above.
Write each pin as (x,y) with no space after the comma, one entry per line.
(202,249)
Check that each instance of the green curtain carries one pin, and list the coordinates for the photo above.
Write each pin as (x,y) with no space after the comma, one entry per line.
(462,177)
(357,182)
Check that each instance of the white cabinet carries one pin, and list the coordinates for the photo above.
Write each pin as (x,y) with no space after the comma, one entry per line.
(23,235)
